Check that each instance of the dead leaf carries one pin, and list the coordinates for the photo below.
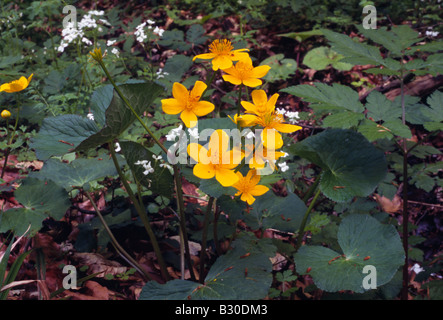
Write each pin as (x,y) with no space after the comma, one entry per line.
(97,263)
(388,205)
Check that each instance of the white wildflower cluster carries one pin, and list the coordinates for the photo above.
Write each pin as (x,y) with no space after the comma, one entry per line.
(140,30)
(74,31)
(430,33)
(163,164)
(146,165)
(174,133)
(283,166)
(90,116)
(293,116)
(160,74)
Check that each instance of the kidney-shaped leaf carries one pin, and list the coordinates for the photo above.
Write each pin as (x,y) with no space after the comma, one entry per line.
(242,274)
(351,165)
(40,200)
(364,241)
(118,116)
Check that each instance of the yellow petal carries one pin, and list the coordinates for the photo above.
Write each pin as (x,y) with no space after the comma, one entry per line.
(270,105)
(198,153)
(204,56)
(260,71)
(247,197)
(286,128)
(188,118)
(226,177)
(271,139)
(204,171)
(232,79)
(221,62)
(259,97)
(198,89)
(202,108)
(259,190)
(172,106)
(219,141)
(180,92)
(252,82)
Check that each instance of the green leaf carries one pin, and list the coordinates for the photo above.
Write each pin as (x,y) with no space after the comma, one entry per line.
(160,181)
(272,211)
(303,35)
(281,67)
(40,200)
(174,39)
(118,116)
(77,173)
(214,189)
(344,120)
(363,241)
(227,279)
(354,51)
(381,108)
(372,131)
(176,66)
(351,165)
(100,100)
(61,134)
(195,34)
(321,57)
(324,97)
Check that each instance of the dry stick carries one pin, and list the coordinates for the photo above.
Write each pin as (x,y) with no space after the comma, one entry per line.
(122,252)
(204,238)
(142,214)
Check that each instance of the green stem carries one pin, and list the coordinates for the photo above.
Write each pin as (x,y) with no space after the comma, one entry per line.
(204,238)
(305,220)
(142,214)
(312,189)
(215,231)
(182,218)
(122,252)
(239,100)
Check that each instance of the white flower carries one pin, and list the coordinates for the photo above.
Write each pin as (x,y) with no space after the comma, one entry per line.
(110,42)
(159,157)
(173,133)
(193,133)
(280,111)
(159,31)
(146,165)
(293,116)
(150,21)
(432,33)
(140,33)
(416,268)
(90,116)
(161,74)
(115,51)
(285,155)
(117,147)
(283,166)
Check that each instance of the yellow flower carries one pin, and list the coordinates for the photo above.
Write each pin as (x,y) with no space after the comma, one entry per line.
(216,161)
(187,103)
(16,85)
(263,113)
(5,114)
(248,187)
(244,72)
(222,54)
(97,54)
(258,157)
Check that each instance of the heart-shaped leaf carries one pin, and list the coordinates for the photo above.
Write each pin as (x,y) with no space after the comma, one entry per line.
(364,241)
(40,200)
(118,116)
(351,165)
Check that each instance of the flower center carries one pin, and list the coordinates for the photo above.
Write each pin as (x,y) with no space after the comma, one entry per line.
(192,100)
(221,47)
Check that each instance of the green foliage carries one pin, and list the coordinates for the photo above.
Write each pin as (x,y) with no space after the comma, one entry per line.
(363,241)
(321,57)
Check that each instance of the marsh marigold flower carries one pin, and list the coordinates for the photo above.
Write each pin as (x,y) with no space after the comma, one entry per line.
(262,112)
(248,187)
(216,161)
(187,103)
(5,114)
(222,54)
(243,72)
(16,85)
